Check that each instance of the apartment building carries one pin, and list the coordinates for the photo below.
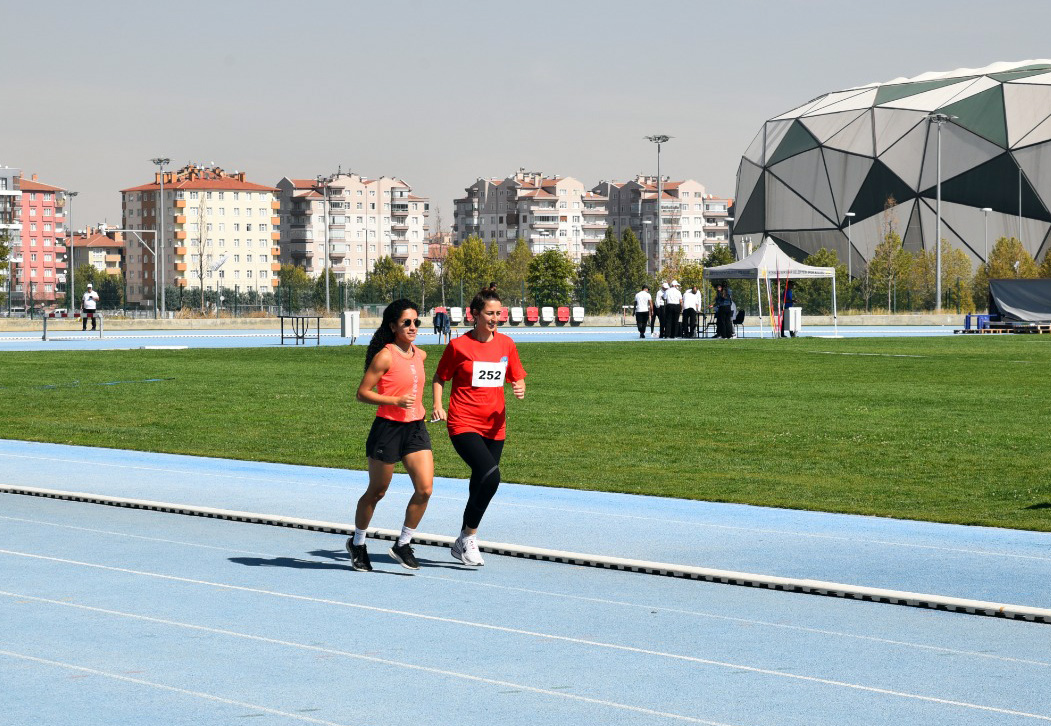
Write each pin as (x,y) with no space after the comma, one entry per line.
(360,219)
(219,230)
(42,272)
(99,247)
(691,219)
(11,230)
(560,213)
(547,212)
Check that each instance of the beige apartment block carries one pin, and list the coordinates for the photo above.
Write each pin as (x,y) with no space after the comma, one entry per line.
(361,219)
(691,219)
(220,231)
(547,212)
(559,213)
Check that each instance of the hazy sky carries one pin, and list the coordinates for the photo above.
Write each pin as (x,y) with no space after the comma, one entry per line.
(440,93)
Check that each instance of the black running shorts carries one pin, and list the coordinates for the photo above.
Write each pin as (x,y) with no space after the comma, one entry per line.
(389,441)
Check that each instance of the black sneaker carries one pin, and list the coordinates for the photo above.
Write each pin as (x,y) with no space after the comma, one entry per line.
(405,556)
(359,556)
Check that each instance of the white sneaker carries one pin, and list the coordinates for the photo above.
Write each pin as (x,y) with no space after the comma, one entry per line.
(465,549)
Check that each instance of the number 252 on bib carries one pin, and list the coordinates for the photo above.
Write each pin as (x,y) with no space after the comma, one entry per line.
(488,375)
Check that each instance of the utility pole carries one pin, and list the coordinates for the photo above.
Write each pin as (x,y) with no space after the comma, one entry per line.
(659,139)
(71,267)
(158,267)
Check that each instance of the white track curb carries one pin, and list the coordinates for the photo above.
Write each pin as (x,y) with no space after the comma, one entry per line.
(787,584)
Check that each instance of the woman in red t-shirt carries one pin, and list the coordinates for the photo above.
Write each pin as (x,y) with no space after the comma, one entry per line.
(394,367)
(478,363)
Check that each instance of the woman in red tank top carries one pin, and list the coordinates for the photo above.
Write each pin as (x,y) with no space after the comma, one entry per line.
(394,368)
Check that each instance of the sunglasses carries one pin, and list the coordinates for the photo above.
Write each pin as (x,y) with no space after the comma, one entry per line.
(410,322)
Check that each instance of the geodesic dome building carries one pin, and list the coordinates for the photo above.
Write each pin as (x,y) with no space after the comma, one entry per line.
(852,150)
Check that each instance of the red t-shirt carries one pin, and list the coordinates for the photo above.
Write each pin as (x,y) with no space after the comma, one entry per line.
(478,372)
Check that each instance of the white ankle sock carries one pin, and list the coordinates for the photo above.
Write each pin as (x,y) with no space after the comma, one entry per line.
(359,537)
(405,536)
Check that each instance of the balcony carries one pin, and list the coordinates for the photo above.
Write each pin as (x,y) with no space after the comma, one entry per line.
(275,221)
(275,235)
(715,227)
(275,251)
(180,234)
(113,258)
(180,267)
(544,225)
(399,251)
(180,219)
(180,250)
(399,225)
(543,209)
(275,266)
(338,251)
(594,224)
(182,281)
(399,209)
(275,204)
(180,204)
(595,210)
(715,212)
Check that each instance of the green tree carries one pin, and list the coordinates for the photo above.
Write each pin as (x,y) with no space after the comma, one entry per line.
(550,278)
(621,261)
(890,267)
(956,279)
(1007,260)
(516,270)
(425,286)
(1045,267)
(597,298)
(472,264)
(294,286)
(386,282)
(319,298)
(815,296)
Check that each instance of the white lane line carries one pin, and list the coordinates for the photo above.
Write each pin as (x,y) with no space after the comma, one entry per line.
(163,687)
(581,598)
(358,656)
(867,355)
(544,636)
(566,510)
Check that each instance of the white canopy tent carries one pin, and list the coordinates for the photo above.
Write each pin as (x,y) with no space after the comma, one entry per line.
(769,261)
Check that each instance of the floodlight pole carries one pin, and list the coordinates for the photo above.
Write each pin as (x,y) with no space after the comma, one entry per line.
(153,251)
(158,269)
(69,250)
(987,210)
(940,119)
(325,204)
(850,248)
(659,139)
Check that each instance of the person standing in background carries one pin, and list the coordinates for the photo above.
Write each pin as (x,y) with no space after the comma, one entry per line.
(643,309)
(88,306)
(673,309)
(662,299)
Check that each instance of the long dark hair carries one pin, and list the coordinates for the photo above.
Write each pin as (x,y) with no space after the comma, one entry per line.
(484,295)
(384,334)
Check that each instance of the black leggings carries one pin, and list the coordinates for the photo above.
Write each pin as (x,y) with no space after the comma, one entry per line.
(483,456)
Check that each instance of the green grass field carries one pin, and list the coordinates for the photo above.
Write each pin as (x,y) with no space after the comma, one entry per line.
(943,429)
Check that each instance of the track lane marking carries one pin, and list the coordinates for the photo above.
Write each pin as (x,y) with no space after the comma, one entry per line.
(163,687)
(592,513)
(359,656)
(545,636)
(604,601)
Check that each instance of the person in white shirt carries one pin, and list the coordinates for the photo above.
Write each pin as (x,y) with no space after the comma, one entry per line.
(691,304)
(673,309)
(88,304)
(643,309)
(662,298)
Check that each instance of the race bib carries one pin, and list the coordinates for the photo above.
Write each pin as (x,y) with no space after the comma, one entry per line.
(488,375)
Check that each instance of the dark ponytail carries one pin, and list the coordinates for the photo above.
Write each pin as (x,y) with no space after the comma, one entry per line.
(484,295)
(384,334)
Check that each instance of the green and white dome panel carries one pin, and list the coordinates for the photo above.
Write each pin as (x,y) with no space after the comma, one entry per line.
(852,150)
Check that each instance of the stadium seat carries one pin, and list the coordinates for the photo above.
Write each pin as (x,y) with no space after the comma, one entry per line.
(456,315)
(578,315)
(532,315)
(468,317)
(502,317)
(517,316)
(563,315)
(547,315)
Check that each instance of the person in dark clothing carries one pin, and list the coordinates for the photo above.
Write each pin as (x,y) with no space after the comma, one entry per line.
(723,311)
(788,302)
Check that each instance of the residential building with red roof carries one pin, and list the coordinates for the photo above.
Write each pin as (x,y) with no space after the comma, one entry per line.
(691,219)
(40,277)
(220,230)
(349,221)
(547,212)
(99,247)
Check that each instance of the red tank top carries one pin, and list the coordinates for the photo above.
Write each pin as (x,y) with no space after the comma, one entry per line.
(404,376)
